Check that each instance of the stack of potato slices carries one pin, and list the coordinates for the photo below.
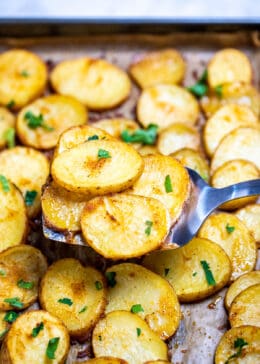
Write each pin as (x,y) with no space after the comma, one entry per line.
(117,185)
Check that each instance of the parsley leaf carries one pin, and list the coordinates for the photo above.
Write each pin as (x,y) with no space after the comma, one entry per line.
(111,279)
(98,285)
(166,271)
(239,343)
(208,274)
(219,90)
(52,347)
(93,137)
(9,137)
(168,184)
(14,301)
(24,73)
(137,308)
(138,331)
(148,229)
(37,329)
(26,285)
(10,104)
(30,197)
(200,88)
(144,136)
(102,153)
(66,301)
(2,273)
(10,316)
(84,309)
(194,274)
(230,229)
(5,184)
(34,121)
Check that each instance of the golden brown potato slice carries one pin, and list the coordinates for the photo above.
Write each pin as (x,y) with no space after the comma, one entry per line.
(22,268)
(165,179)
(192,159)
(62,209)
(148,149)
(36,337)
(231,172)
(126,336)
(96,83)
(166,66)
(250,215)
(223,121)
(28,169)
(240,284)
(7,122)
(241,143)
(40,124)
(103,360)
(232,93)
(176,137)
(229,65)
(97,167)
(196,270)
(75,294)
(13,218)
(136,289)
(239,345)
(157,361)
(233,236)
(4,325)
(167,104)
(245,309)
(115,127)
(23,77)
(124,226)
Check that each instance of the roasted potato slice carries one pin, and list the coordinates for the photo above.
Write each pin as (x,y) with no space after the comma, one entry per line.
(23,77)
(166,66)
(40,124)
(250,215)
(159,307)
(232,235)
(124,226)
(239,345)
(225,120)
(193,159)
(98,167)
(232,93)
(157,361)
(96,83)
(176,137)
(7,121)
(4,326)
(148,149)
(188,268)
(62,209)
(240,284)
(75,294)
(127,336)
(167,104)
(115,127)
(165,179)
(28,169)
(13,218)
(229,65)
(245,309)
(103,360)
(36,337)
(231,172)
(242,143)
(22,268)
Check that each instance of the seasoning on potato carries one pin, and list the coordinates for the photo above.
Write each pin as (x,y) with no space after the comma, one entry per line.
(7,128)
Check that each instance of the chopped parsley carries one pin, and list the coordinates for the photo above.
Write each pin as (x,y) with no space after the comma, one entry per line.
(219,91)
(2,273)
(200,88)
(137,308)
(111,279)
(36,121)
(39,327)
(52,347)
(10,104)
(102,153)
(66,301)
(5,184)
(14,301)
(10,316)
(26,285)
(98,285)
(138,331)
(194,274)
(9,137)
(84,309)
(93,137)
(166,271)
(24,73)
(230,229)
(168,184)
(208,273)
(144,136)
(239,343)
(148,229)
(30,197)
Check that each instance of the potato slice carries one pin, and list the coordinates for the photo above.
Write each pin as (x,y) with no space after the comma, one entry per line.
(128,337)
(229,346)
(245,309)
(62,209)
(229,65)
(232,93)
(157,361)
(225,120)
(98,167)
(4,326)
(103,360)
(75,294)
(23,77)
(52,114)
(22,268)
(148,149)
(233,236)
(23,347)
(240,284)
(166,66)
(231,172)
(183,268)
(158,170)
(7,121)
(115,127)
(159,303)
(124,226)
(167,104)
(96,83)
(250,215)
(192,159)
(176,137)
(242,143)
(13,218)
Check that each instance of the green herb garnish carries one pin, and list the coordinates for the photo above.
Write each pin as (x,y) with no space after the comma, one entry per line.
(9,137)
(34,121)
(102,153)
(52,347)
(26,285)
(148,229)
(30,197)
(24,73)
(168,184)
(138,331)
(93,137)
(239,343)
(208,274)
(200,88)
(219,91)
(144,136)
(2,273)
(84,309)
(14,301)
(111,278)
(37,329)
(230,229)
(5,184)
(137,308)
(166,271)
(98,285)
(10,316)
(10,104)
(194,274)
(66,301)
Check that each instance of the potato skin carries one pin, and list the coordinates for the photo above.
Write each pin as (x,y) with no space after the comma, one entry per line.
(7,120)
